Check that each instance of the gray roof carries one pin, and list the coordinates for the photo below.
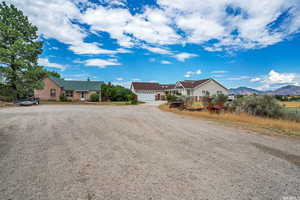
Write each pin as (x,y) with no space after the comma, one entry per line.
(78,85)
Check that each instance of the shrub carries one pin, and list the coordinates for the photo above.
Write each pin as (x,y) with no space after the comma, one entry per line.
(111,92)
(133,99)
(63,98)
(94,97)
(171,97)
(264,106)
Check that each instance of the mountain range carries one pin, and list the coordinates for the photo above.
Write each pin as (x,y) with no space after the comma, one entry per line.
(286,90)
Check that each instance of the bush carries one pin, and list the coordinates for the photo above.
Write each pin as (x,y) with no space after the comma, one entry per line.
(171,97)
(111,92)
(264,106)
(63,98)
(94,97)
(133,99)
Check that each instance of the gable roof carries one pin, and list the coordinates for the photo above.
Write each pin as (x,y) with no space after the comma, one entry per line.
(192,83)
(77,85)
(145,86)
(167,86)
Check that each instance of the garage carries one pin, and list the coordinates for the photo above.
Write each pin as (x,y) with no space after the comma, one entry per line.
(146,97)
(146,91)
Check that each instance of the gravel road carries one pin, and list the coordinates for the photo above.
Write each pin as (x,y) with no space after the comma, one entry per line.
(63,152)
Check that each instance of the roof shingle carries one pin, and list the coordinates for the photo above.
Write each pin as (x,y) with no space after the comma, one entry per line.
(78,85)
(192,83)
(146,86)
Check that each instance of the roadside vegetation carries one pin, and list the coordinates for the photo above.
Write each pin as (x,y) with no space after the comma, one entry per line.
(117,93)
(258,112)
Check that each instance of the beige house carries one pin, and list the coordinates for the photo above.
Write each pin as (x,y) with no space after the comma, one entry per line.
(73,90)
(190,88)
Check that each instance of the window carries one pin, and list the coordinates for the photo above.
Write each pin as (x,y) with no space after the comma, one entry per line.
(205,92)
(188,92)
(53,92)
(69,93)
(219,92)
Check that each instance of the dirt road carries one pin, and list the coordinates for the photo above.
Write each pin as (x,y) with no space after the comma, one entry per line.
(73,152)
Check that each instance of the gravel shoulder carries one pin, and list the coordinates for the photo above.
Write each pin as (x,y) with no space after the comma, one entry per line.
(138,152)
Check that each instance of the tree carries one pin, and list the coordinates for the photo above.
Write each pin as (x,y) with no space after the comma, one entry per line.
(111,92)
(19,50)
(53,73)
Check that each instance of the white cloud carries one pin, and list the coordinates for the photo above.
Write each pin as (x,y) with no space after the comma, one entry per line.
(45,62)
(238,78)
(247,25)
(136,79)
(165,62)
(101,63)
(250,24)
(89,48)
(183,56)
(191,73)
(257,79)
(275,79)
(125,84)
(157,50)
(219,72)
(119,79)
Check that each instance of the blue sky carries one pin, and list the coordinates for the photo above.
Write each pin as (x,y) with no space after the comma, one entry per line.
(253,43)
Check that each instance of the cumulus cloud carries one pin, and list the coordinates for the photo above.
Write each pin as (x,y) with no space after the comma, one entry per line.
(191,73)
(275,79)
(157,50)
(54,20)
(101,63)
(228,25)
(183,56)
(46,63)
(257,79)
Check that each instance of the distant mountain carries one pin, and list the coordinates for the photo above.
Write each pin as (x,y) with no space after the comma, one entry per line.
(286,90)
(244,91)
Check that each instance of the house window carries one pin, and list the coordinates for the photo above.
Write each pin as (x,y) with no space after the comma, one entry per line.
(53,92)
(205,92)
(188,92)
(69,93)
(219,92)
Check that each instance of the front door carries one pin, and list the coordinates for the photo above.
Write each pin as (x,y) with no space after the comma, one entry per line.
(82,96)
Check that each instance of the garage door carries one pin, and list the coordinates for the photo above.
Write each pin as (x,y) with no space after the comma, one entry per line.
(146,97)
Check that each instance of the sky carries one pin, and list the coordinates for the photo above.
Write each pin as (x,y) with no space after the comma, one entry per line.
(253,43)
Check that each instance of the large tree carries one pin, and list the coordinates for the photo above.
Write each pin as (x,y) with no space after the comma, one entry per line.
(19,50)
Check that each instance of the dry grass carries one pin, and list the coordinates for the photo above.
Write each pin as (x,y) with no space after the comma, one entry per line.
(258,124)
(291,104)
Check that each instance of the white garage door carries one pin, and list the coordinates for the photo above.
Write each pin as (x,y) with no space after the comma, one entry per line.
(146,97)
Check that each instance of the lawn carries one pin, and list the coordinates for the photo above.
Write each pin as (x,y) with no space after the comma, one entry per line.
(258,124)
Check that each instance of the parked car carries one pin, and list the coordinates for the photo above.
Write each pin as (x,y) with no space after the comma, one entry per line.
(28,102)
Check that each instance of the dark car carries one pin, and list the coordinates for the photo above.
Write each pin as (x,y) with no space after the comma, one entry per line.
(28,102)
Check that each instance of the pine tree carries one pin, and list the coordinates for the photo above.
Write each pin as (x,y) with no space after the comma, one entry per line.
(19,50)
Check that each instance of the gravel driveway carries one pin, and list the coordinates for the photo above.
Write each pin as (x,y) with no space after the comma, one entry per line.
(64,152)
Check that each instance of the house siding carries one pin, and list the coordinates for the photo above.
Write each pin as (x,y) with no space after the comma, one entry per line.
(210,86)
(49,84)
(44,94)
